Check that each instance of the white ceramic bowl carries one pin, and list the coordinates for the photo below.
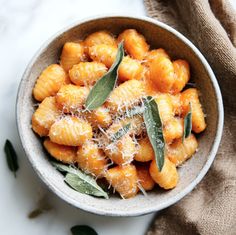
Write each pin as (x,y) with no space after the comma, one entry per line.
(158,35)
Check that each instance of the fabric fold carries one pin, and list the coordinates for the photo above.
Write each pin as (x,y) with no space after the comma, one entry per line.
(210,209)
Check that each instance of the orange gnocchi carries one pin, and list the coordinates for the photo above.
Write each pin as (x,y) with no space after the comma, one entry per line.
(44,116)
(72,53)
(91,159)
(124,180)
(190,96)
(87,73)
(168,177)
(113,141)
(100,37)
(66,154)
(103,53)
(70,131)
(71,98)
(130,69)
(144,177)
(126,95)
(134,43)
(49,82)
(145,151)
(162,74)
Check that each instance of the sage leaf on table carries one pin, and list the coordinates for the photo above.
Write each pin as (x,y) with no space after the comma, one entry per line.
(83,230)
(153,125)
(11,156)
(187,123)
(85,184)
(121,132)
(80,181)
(103,87)
(43,206)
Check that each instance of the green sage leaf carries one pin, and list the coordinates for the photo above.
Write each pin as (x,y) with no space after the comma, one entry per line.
(83,230)
(11,156)
(187,123)
(85,184)
(80,181)
(121,132)
(153,125)
(103,87)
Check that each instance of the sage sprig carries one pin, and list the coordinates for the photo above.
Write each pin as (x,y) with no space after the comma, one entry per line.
(153,125)
(103,87)
(187,123)
(11,156)
(80,181)
(121,132)
(83,230)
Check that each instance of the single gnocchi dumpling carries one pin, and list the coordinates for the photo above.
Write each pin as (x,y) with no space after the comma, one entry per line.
(99,117)
(124,180)
(130,69)
(165,107)
(126,95)
(145,151)
(121,151)
(168,177)
(87,73)
(49,82)
(198,118)
(179,151)
(161,73)
(182,75)
(154,54)
(66,154)
(134,43)
(144,177)
(100,37)
(44,116)
(91,159)
(173,129)
(71,131)
(103,53)
(72,53)
(71,98)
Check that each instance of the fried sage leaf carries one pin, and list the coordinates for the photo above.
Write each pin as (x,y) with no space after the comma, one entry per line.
(11,156)
(83,230)
(121,132)
(104,86)
(153,125)
(80,181)
(187,123)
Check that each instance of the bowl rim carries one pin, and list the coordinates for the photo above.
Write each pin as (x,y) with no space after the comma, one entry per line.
(171,200)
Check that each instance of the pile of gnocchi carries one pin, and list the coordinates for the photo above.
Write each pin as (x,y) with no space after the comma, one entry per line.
(80,137)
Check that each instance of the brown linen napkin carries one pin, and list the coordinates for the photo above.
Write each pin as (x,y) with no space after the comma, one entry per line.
(211,207)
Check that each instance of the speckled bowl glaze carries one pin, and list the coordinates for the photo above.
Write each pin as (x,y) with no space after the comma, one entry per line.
(158,35)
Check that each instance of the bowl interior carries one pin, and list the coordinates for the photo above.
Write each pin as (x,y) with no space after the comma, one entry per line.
(158,37)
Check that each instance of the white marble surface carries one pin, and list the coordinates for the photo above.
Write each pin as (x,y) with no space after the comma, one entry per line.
(24,26)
